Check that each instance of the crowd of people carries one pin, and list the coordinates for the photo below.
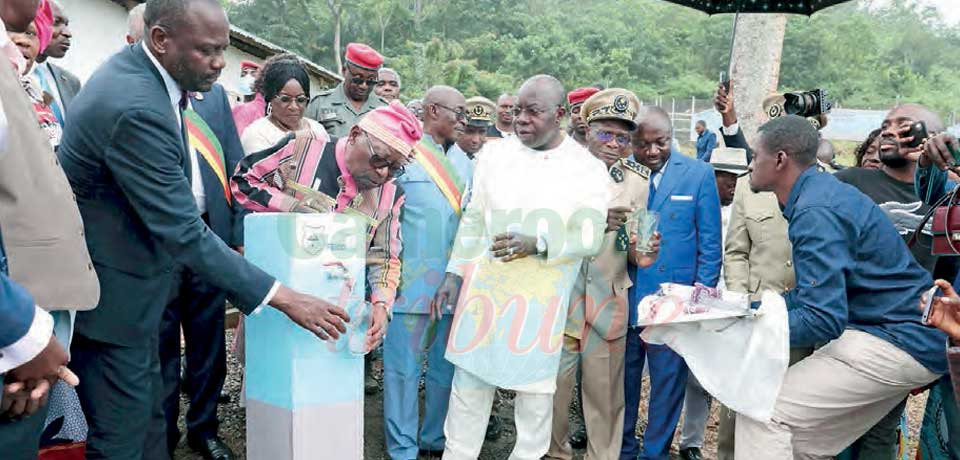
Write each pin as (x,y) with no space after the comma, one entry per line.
(501,250)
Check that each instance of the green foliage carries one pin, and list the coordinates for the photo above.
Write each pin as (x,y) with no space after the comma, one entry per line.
(865,54)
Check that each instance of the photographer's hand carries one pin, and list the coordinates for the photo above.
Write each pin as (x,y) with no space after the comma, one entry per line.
(939,151)
(904,138)
(723,102)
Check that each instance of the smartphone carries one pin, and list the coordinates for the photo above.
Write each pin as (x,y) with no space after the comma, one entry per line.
(928,302)
(725,82)
(919,132)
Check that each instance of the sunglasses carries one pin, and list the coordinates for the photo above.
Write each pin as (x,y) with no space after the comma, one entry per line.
(607,136)
(379,162)
(286,100)
(361,80)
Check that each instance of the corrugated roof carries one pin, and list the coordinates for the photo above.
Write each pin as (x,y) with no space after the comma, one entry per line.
(261,48)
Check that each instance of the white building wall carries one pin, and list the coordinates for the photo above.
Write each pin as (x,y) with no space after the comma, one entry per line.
(99,30)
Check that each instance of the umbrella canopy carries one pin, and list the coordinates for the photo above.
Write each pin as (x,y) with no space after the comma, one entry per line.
(806,7)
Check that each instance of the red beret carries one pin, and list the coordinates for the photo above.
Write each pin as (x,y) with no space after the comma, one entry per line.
(249,65)
(579,95)
(364,56)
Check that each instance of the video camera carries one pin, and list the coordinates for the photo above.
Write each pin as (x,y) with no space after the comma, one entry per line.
(811,104)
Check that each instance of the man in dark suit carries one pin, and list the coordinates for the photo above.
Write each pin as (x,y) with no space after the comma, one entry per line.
(137,187)
(197,306)
(683,191)
(62,85)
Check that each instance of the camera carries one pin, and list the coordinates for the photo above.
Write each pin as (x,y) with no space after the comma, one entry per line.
(806,104)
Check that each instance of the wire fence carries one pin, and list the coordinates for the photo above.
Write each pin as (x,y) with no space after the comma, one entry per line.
(844,123)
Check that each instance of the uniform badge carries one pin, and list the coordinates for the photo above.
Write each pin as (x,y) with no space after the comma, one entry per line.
(638,168)
(622,241)
(617,174)
(327,115)
(620,104)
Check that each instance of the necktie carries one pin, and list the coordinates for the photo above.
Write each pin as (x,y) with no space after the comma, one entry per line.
(653,189)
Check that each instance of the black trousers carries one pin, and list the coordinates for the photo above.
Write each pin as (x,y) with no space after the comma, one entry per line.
(20,439)
(198,308)
(119,391)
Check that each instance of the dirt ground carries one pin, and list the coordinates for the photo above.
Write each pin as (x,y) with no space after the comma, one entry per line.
(233,423)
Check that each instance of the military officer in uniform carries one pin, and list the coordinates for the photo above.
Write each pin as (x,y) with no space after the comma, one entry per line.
(479,120)
(595,335)
(340,108)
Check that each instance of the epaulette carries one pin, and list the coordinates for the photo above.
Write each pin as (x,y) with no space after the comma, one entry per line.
(638,168)
(325,92)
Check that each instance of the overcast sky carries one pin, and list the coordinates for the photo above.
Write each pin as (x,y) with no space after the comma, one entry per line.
(948,8)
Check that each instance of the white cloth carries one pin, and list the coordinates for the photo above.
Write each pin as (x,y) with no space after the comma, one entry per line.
(741,362)
(731,130)
(263,134)
(831,398)
(508,325)
(31,344)
(469,412)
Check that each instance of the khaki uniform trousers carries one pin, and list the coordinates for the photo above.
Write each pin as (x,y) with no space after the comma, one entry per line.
(600,364)
(831,398)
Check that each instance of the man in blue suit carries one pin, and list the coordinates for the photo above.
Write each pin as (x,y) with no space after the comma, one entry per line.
(706,141)
(198,307)
(127,159)
(684,191)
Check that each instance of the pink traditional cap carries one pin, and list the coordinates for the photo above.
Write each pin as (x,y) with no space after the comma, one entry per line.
(364,56)
(395,126)
(44,24)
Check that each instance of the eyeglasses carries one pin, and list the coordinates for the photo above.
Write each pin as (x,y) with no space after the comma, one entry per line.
(392,83)
(361,80)
(459,113)
(286,99)
(379,162)
(532,112)
(607,136)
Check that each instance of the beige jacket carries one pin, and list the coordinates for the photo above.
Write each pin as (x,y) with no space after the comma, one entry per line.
(599,297)
(41,227)
(757,254)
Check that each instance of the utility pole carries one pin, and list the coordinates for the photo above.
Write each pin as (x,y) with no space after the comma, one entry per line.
(755,66)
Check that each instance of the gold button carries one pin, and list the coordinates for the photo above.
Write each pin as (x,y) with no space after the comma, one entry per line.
(789,263)
(589,279)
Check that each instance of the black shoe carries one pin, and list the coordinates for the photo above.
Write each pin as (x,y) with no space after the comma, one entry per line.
(494,428)
(691,453)
(212,449)
(578,439)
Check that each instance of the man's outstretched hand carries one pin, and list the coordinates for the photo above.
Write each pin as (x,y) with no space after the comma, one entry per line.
(322,318)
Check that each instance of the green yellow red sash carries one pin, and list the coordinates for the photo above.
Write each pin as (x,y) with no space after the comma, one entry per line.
(203,140)
(438,167)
